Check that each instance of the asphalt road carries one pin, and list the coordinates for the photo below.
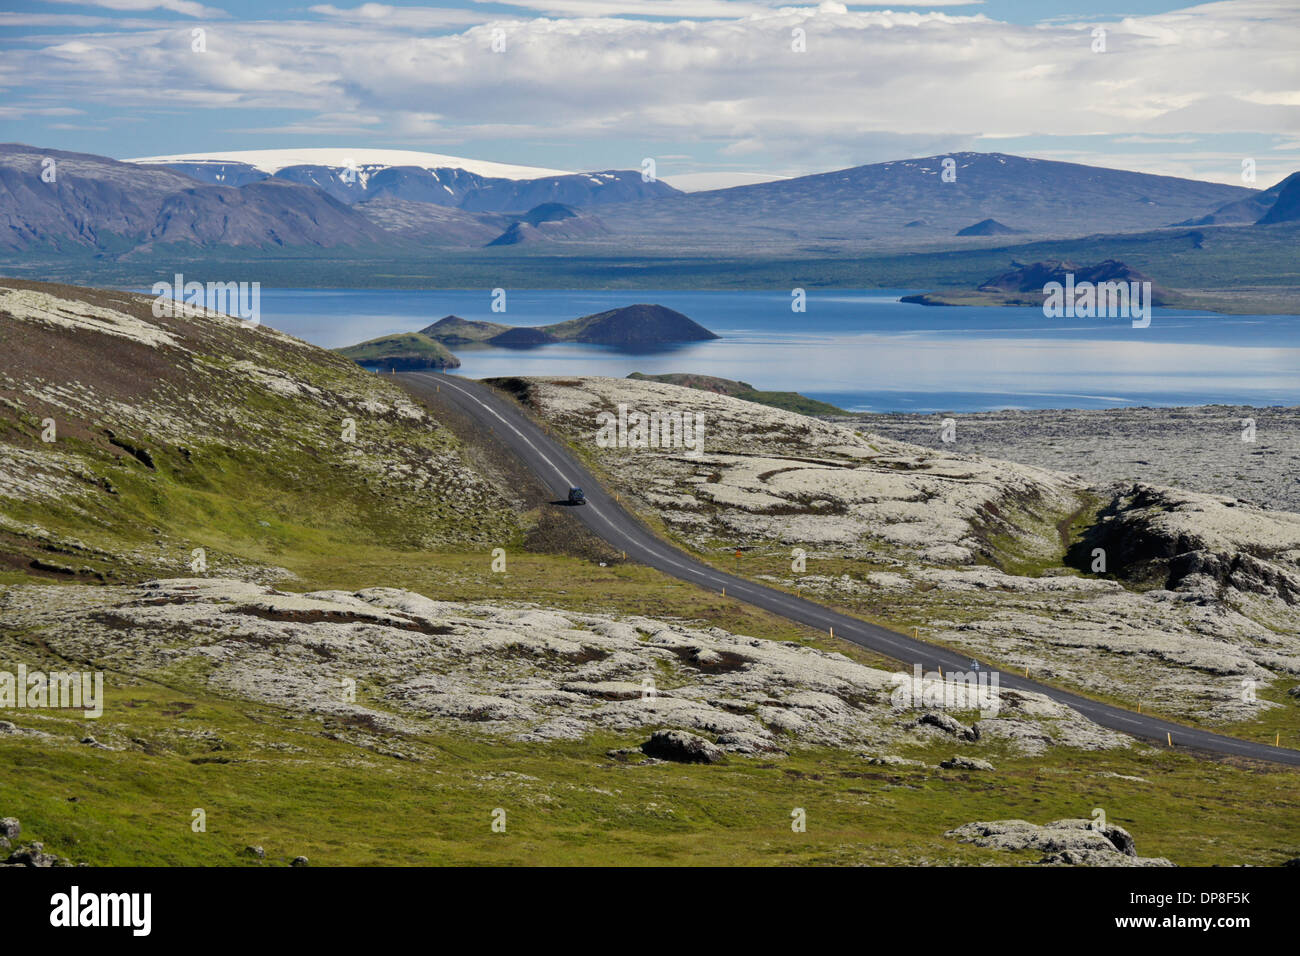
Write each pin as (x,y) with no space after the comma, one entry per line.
(559,470)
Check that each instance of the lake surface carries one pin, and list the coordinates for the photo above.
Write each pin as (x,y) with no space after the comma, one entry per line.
(863,351)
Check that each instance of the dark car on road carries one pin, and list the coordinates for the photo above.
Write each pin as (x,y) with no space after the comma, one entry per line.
(576,497)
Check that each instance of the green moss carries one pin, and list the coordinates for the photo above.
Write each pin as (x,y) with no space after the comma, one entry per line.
(273,779)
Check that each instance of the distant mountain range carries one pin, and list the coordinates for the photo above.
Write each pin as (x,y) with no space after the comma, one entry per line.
(356,176)
(269,161)
(114,207)
(909,200)
(384,203)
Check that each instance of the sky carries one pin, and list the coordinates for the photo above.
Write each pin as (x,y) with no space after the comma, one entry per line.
(715,91)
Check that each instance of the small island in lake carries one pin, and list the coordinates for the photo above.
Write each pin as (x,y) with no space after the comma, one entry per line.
(630,327)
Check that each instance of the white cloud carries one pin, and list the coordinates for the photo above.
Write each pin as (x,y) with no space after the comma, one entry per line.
(696,9)
(187,7)
(20,111)
(383,15)
(681,9)
(1183,140)
(869,79)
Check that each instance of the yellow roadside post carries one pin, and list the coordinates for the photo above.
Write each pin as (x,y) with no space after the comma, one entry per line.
(1169,737)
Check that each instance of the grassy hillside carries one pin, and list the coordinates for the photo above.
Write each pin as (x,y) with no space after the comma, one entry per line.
(453,330)
(405,350)
(266,778)
(175,434)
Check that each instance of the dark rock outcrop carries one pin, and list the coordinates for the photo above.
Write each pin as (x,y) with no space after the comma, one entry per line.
(679,746)
(948,724)
(1034,276)
(965,763)
(1153,536)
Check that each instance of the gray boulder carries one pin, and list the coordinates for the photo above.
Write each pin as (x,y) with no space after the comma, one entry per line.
(892,760)
(965,763)
(34,855)
(1063,842)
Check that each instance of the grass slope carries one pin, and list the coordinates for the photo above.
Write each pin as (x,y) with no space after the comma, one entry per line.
(404,350)
(266,778)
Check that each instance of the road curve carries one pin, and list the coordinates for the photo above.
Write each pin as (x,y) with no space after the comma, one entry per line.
(557,468)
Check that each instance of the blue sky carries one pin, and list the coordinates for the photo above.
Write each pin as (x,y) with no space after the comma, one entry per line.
(714,90)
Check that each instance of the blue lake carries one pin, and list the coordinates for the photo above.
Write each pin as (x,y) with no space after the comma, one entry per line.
(863,351)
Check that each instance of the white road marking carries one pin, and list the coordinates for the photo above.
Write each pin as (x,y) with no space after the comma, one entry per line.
(503,421)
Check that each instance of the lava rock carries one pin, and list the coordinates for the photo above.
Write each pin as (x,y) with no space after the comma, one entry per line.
(681,747)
